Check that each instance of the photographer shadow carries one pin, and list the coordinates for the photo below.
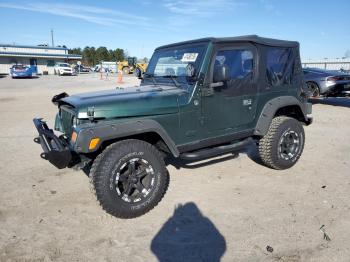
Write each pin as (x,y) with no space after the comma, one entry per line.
(188,236)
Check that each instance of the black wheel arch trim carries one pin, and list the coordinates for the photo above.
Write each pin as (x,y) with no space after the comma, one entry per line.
(108,131)
(273,105)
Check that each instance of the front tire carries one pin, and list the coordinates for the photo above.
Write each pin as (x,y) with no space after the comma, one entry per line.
(283,144)
(126,70)
(129,178)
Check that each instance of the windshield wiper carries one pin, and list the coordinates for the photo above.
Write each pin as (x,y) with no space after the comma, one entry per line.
(152,77)
(173,78)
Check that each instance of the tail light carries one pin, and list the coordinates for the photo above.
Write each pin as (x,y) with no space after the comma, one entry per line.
(333,78)
(338,78)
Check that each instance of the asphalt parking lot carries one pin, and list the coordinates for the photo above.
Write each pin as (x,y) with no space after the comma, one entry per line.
(229,208)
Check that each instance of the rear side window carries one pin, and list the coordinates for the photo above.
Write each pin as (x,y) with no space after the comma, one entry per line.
(279,66)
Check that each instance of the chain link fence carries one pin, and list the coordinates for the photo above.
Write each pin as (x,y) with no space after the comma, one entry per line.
(329,64)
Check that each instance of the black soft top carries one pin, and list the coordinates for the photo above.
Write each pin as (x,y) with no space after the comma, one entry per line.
(245,38)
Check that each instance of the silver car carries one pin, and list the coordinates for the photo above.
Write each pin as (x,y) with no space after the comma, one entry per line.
(326,82)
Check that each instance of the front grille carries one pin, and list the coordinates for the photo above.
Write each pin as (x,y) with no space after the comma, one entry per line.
(67,120)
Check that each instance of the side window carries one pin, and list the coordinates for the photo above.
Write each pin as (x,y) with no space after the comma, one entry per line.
(239,61)
(279,66)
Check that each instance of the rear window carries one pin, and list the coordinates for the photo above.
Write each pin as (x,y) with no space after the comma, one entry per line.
(279,66)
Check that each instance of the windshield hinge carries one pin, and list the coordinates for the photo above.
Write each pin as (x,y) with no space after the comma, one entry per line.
(91,113)
(207,91)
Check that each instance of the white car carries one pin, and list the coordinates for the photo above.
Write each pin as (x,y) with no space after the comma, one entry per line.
(63,69)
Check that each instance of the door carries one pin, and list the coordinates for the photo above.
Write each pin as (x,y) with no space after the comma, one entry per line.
(231,106)
(33,65)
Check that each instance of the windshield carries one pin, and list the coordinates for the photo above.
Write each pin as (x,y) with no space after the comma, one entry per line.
(179,62)
(19,67)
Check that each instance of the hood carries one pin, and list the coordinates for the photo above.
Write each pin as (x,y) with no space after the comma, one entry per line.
(127,102)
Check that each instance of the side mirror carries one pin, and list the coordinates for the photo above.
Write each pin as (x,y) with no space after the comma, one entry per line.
(221,73)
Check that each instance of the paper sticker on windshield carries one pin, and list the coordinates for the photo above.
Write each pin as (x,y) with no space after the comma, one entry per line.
(189,57)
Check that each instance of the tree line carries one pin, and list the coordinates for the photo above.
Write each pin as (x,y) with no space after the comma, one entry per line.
(92,56)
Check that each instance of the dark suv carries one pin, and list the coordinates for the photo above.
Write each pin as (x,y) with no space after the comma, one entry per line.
(197,99)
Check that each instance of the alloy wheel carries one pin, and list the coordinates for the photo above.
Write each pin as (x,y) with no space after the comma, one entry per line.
(289,145)
(134,180)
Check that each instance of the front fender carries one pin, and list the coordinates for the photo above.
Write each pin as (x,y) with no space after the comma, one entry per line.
(111,130)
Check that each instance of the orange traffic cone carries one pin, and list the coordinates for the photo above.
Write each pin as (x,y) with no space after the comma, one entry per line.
(120,77)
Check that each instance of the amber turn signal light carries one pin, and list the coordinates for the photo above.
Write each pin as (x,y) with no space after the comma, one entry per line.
(93,143)
(74,137)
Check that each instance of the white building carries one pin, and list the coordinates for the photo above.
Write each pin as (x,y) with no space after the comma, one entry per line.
(43,58)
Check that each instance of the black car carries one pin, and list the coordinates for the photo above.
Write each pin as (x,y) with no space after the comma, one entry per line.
(82,69)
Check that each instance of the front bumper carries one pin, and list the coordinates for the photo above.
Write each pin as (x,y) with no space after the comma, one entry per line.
(66,72)
(21,75)
(56,149)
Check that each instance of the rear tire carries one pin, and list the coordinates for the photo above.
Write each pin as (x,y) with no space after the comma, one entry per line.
(129,178)
(283,144)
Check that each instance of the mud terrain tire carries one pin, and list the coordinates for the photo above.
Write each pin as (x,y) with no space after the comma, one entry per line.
(118,176)
(283,144)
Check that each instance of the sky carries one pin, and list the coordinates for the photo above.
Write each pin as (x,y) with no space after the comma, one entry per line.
(321,27)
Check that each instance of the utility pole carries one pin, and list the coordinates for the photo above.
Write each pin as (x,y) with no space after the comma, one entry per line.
(52,42)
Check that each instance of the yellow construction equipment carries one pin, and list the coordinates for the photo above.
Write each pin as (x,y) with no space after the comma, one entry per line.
(130,66)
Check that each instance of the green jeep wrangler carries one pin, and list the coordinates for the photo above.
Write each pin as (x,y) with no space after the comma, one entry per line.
(197,99)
